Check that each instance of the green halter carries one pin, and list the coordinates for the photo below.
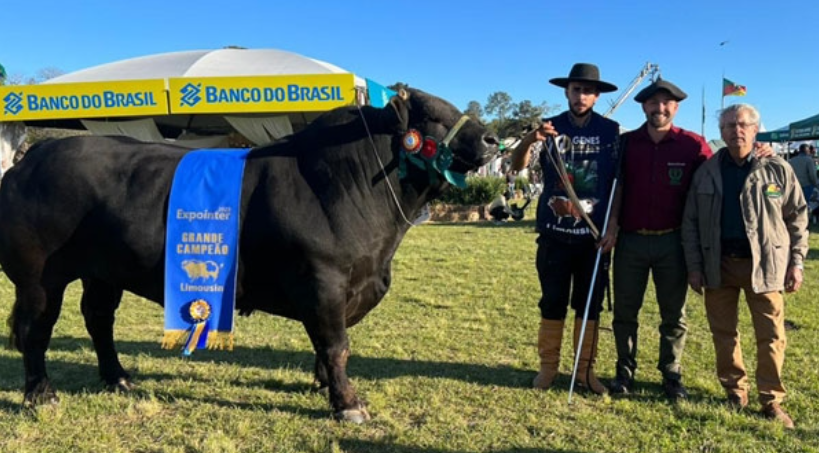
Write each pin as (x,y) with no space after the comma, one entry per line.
(435,157)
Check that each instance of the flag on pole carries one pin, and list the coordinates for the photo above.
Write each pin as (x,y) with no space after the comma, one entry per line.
(732,89)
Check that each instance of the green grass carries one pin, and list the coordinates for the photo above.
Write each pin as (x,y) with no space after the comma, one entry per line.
(445,363)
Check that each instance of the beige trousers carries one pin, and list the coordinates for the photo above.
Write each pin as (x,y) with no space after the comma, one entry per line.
(768,315)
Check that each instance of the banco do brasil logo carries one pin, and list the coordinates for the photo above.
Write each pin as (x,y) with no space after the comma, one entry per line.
(190,94)
(14,103)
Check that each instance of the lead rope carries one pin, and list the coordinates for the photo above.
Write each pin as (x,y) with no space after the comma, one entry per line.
(383,169)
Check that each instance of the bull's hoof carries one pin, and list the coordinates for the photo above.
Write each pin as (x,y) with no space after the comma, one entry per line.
(122,385)
(42,395)
(357,416)
(321,389)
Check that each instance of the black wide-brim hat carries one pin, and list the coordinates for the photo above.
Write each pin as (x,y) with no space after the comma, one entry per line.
(660,85)
(584,72)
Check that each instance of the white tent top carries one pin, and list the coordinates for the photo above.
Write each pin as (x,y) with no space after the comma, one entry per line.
(205,63)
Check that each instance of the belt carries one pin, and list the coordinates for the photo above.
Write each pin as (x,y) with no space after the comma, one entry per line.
(737,256)
(645,232)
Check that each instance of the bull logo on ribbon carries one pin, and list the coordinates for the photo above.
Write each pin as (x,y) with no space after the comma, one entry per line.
(201,269)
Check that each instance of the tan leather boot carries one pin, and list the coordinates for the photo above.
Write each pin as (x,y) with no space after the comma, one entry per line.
(588,355)
(549,338)
(774,411)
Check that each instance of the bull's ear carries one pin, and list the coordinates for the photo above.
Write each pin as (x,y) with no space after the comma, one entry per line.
(397,113)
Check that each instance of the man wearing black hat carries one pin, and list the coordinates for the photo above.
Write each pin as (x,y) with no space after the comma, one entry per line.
(567,249)
(658,162)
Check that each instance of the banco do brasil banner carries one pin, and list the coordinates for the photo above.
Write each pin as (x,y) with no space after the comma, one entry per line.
(256,94)
(83,100)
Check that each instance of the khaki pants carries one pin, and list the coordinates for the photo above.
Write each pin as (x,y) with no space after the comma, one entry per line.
(768,315)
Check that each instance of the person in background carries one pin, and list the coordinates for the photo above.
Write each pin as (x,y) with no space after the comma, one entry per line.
(745,228)
(567,249)
(658,162)
(805,170)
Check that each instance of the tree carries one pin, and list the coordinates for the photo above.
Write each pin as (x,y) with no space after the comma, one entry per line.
(549,110)
(526,111)
(48,73)
(499,103)
(14,79)
(42,75)
(525,115)
(474,110)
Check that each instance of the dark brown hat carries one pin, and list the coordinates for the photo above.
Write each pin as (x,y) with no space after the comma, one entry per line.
(658,85)
(584,72)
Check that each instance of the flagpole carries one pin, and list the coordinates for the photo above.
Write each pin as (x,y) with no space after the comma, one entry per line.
(703,111)
(722,82)
(722,89)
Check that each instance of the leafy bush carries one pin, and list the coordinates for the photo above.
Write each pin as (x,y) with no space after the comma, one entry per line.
(521,183)
(479,190)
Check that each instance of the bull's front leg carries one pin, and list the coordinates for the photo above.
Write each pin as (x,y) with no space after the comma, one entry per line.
(332,348)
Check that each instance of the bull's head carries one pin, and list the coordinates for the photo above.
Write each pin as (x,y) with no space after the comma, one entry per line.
(439,136)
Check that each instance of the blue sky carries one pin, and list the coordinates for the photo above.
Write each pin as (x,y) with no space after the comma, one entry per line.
(462,51)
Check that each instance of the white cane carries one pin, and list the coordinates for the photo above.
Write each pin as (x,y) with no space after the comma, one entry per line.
(591,293)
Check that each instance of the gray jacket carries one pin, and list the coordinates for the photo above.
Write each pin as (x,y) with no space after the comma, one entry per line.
(775,216)
(805,169)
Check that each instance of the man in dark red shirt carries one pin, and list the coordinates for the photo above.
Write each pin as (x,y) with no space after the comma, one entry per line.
(658,162)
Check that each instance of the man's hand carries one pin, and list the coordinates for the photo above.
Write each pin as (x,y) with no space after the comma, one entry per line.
(546,129)
(762,149)
(609,239)
(695,281)
(793,279)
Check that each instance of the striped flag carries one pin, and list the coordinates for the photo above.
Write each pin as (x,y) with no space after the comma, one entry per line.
(732,89)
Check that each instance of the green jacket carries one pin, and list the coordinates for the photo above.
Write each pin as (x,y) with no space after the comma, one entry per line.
(775,216)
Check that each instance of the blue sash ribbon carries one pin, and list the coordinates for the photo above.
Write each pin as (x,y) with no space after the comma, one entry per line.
(201,253)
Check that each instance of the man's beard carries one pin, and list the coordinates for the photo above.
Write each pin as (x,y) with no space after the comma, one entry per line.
(659,121)
(580,115)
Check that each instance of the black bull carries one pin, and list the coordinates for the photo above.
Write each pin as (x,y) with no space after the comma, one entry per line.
(319,228)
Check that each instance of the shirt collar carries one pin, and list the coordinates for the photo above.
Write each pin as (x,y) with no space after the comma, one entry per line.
(672,135)
(727,159)
(570,120)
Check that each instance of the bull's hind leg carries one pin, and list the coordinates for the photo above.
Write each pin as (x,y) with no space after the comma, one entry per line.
(332,351)
(99,302)
(35,313)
